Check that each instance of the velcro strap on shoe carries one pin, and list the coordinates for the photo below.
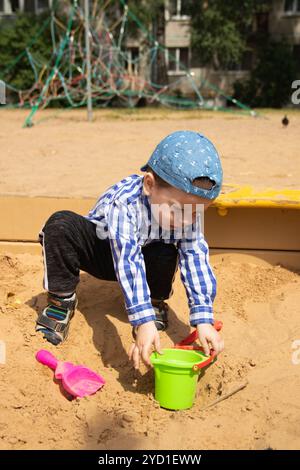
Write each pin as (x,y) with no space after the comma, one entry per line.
(64,304)
(161,315)
(53,325)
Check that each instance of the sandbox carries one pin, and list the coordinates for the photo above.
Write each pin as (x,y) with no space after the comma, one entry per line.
(258,291)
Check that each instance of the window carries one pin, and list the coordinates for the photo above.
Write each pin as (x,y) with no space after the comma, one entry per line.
(29,6)
(14,4)
(296,56)
(291,7)
(42,4)
(262,22)
(172,59)
(34,6)
(173,7)
(185,8)
(132,60)
(179,8)
(178,59)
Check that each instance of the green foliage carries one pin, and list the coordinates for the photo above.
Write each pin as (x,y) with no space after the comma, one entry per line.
(15,35)
(145,11)
(220,29)
(270,82)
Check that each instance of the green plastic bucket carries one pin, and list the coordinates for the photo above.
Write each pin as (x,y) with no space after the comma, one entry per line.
(176,378)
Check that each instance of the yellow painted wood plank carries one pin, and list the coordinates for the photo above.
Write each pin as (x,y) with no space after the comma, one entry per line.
(246,196)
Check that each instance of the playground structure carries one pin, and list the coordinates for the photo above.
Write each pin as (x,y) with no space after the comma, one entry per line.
(91,64)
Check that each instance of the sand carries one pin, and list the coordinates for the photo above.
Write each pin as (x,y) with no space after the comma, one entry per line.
(258,303)
(66,156)
(259,306)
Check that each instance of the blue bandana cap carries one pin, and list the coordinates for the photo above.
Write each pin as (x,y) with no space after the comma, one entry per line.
(183,156)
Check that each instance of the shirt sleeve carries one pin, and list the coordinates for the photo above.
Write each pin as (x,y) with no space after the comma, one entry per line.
(129,264)
(198,279)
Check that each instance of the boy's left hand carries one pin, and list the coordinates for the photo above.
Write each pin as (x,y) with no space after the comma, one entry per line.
(210,338)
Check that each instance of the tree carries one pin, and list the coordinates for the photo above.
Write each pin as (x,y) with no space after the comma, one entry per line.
(15,35)
(220,29)
(270,81)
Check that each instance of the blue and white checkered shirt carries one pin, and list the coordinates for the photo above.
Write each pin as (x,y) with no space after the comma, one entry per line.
(117,215)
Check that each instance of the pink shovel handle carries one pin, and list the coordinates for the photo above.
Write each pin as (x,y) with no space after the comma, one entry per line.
(46,358)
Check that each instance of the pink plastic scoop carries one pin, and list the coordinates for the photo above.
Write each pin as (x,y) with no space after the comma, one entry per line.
(79,381)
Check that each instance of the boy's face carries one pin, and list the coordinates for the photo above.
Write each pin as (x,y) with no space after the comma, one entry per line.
(173,207)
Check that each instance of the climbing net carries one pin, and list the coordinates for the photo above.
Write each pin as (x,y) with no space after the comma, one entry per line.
(117,75)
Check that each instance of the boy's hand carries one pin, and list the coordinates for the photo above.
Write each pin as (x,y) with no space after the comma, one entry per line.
(147,335)
(209,338)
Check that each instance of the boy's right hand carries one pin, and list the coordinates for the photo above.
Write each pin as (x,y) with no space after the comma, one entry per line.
(147,335)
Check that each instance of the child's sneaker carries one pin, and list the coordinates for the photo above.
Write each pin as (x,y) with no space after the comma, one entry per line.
(161,314)
(54,320)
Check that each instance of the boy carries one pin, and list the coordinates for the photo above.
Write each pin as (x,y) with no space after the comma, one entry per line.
(131,236)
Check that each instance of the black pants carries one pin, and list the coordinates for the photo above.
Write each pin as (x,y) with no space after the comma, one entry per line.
(70,244)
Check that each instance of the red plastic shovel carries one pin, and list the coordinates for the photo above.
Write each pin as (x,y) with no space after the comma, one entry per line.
(79,381)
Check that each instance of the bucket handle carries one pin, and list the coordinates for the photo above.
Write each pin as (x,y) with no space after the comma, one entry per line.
(218,325)
(186,344)
(210,359)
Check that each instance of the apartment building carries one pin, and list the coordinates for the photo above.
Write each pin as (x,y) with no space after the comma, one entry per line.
(284,22)
(281,22)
